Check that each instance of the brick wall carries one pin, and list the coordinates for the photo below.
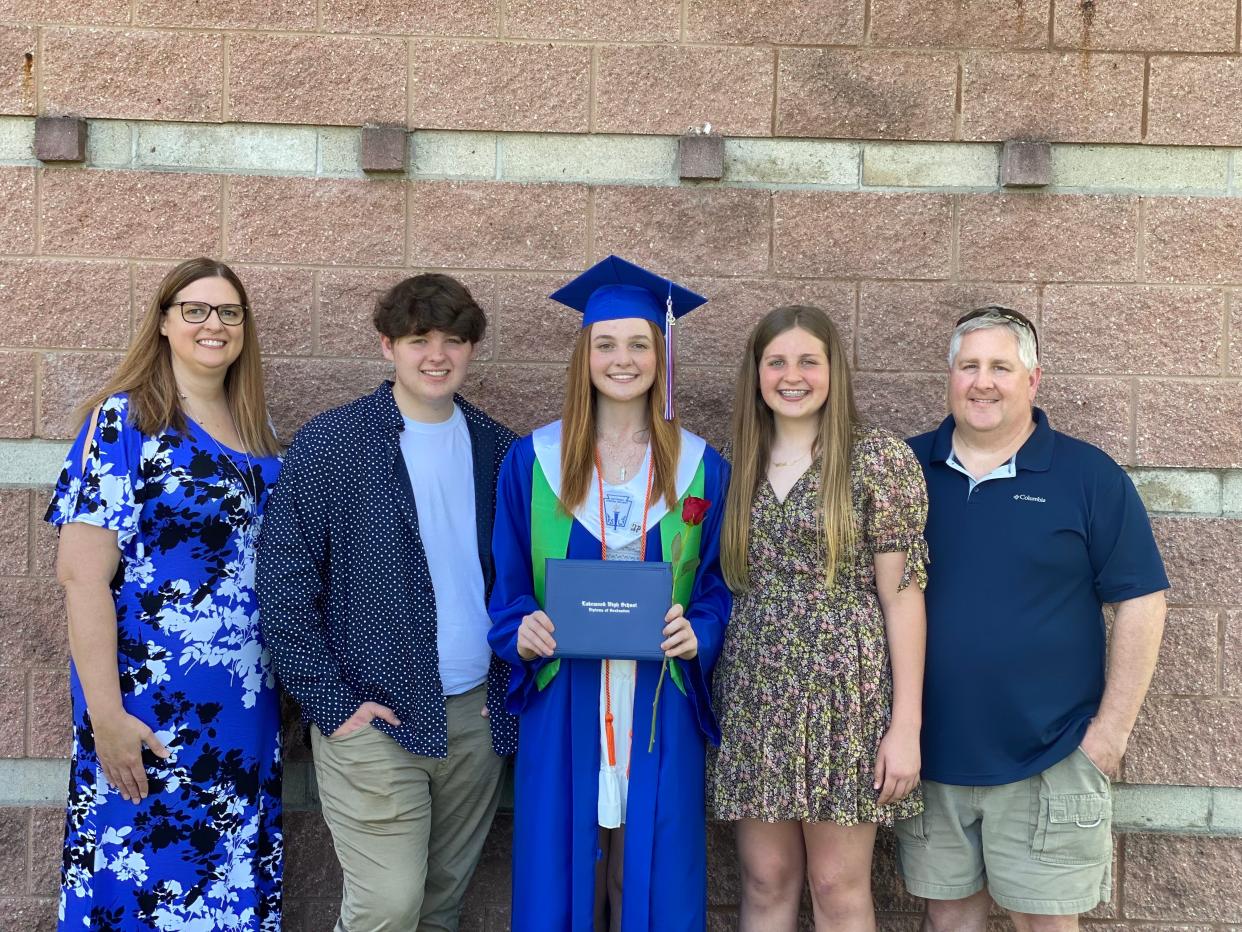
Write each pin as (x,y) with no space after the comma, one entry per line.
(861,155)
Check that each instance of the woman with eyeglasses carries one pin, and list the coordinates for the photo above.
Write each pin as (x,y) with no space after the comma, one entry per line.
(174,814)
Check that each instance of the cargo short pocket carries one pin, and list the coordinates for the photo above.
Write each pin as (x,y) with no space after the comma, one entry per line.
(1074,820)
(912,831)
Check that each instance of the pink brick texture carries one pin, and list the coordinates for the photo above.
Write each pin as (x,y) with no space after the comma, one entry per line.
(1138,298)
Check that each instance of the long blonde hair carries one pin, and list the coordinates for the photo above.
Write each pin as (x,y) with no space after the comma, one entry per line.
(753,429)
(578,428)
(146,372)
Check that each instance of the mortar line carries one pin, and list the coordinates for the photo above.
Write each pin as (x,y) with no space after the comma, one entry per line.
(685,17)
(959,98)
(37,407)
(1052,21)
(857,320)
(411,118)
(1146,108)
(866,36)
(1222,620)
(955,245)
(224,216)
(1237,27)
(592,75)
(131,269)
(226,67)
(316,310)
(1140,239)
(771,234)
(590,225)
(37,182)
(776,90)
(36,73)
(407,224)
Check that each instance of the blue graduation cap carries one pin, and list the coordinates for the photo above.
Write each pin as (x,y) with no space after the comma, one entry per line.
(614,289)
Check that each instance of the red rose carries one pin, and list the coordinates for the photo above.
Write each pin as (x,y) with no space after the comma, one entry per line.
(694,510)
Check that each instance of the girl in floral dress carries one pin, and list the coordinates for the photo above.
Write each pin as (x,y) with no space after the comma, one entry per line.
(173,820)
(818,688)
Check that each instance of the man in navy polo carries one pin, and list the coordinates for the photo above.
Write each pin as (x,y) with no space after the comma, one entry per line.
(1031,533)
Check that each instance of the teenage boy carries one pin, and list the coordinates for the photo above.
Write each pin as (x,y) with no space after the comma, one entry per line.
(374,570)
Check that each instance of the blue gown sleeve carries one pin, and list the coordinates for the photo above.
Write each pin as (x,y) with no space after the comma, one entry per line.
(710,599)
(513,593)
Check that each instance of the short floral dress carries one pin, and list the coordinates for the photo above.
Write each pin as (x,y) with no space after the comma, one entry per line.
(803,688)
(203,852)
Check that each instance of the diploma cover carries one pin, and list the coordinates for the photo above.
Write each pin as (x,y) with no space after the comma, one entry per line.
(608,608)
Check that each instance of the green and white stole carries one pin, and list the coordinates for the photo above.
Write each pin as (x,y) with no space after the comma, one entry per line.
(549,539)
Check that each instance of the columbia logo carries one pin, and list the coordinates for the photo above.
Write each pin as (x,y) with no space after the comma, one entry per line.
(1029,498)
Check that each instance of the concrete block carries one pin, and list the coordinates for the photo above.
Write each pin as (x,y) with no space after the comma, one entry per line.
(1070,237)
(1231,502)
(338,152)
(1144,808)
(1141,168)
(17,139)
(109,144)
(1025,164)
(839,234)
(446,154)
(792,161)
(1179,491)
(1189,423)
(504,86)
(33,782)
(225,147)
(498,226)
(60,139)
(382,148)
(930,165)
(125,213)
(700,156)
(665,89)
(338,221)
(1226,816)
(599,159)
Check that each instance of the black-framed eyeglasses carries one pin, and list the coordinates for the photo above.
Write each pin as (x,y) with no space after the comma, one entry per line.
(196,312)
(1007,313)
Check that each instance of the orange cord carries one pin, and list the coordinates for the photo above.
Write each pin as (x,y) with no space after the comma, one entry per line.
(609,733)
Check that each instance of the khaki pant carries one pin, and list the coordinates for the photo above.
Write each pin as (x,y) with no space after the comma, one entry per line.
(408,830)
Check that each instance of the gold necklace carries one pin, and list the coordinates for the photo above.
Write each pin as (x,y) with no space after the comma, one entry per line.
(796,459)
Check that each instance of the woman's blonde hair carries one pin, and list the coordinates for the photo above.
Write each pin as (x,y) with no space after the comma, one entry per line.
(753,429)
(146,372)
(578,428)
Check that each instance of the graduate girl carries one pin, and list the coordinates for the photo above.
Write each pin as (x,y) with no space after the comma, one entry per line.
(820,680)
(609,811)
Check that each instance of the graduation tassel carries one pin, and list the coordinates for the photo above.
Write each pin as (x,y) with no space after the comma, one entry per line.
(670,352)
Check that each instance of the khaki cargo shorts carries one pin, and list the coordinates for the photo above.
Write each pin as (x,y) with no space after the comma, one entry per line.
(1042,845)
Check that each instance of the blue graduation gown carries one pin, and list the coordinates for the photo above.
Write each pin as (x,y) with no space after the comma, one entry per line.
(555,845)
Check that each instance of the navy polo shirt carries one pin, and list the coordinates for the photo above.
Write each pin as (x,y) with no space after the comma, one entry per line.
(1021,565)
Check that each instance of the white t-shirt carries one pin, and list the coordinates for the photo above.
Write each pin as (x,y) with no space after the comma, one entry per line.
(438,458)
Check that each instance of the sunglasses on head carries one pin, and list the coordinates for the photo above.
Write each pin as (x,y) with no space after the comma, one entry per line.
(1005,313)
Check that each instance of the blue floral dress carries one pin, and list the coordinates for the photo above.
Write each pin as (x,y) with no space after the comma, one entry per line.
(203,851)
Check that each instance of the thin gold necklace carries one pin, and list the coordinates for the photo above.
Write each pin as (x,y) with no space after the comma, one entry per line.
(796,459)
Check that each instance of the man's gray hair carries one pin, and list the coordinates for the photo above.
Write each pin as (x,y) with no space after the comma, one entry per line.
(1028,349)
